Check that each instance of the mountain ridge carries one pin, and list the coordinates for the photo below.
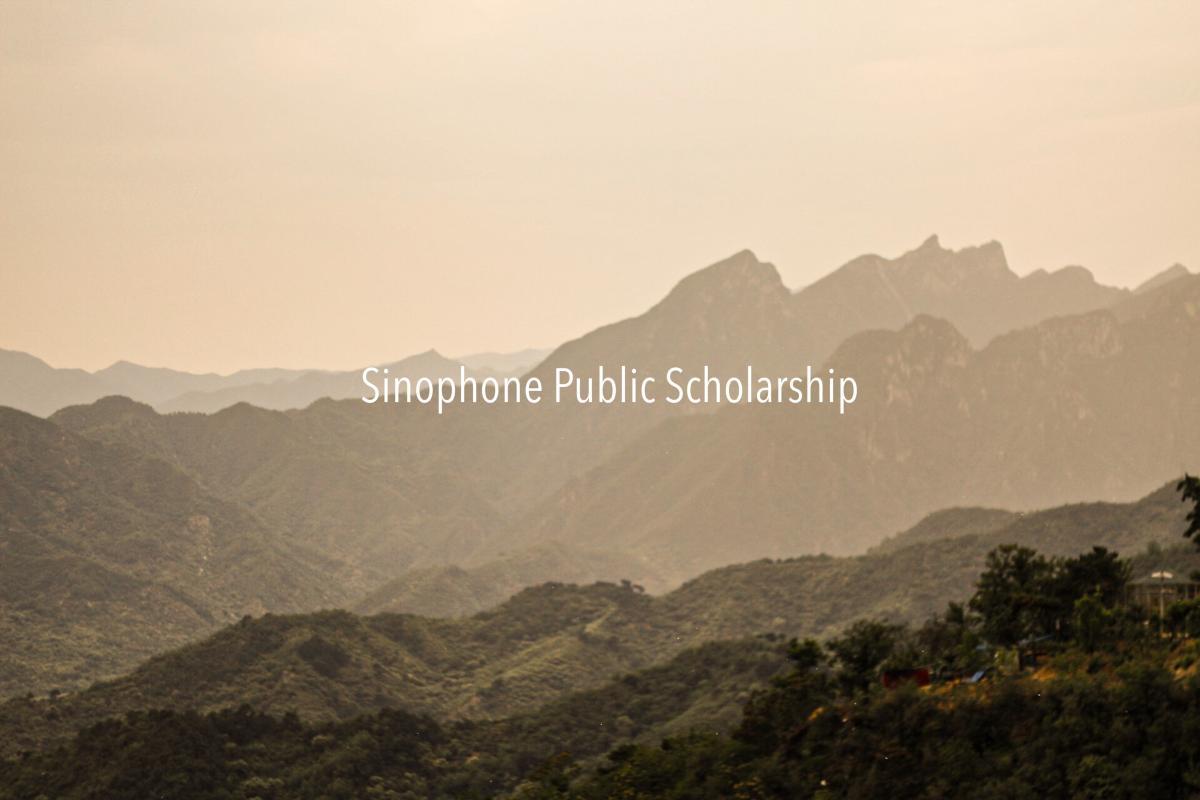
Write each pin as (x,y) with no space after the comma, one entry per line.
(30,384)
(973,287)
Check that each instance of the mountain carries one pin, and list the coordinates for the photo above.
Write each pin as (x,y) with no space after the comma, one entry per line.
(942,550)
(110,555)
(948,523)
(401,488)
(700,691)
(734,312)
(729,314)
(30,384)
(554,638)
(1091,725)
(737,311)
(1075,408)
(825,723)
(973,288)
(1168,275)
(453,591)
(156,385)
(353,482)
(302,390)
(516,363)
(334,665)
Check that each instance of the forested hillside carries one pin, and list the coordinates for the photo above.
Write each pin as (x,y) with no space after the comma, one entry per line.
(558,638)
(110,556)
(1047,683)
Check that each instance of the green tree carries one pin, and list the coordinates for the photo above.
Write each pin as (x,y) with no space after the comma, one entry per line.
(1183,618)
(861,650)
(1189,490)
(1012,596)
(1100,571)
(1091,622)
(947,642)
(807,655)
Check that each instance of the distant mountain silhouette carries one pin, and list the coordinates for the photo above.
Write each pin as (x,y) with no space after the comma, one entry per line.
(156,385)
(300,391)
(30,384)
(504,363)
(734,312)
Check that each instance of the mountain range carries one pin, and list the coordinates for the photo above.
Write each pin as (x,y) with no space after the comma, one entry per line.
(734,312)
(132,530)
(1080,407)
(738,311)
(29,384)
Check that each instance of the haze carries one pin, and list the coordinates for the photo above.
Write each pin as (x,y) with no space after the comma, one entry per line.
(214,186)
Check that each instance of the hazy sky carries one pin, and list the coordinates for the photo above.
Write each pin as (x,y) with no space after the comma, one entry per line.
(216,186)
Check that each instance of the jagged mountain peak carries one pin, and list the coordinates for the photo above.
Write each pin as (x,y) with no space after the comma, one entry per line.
(731,313)
(943,268)
(929,266)
(973,286)
(931,243)
(739,273)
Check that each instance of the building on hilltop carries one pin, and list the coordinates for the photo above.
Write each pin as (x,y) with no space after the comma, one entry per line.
(1158,590)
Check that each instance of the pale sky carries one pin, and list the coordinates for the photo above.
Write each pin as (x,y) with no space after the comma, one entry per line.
(213,186)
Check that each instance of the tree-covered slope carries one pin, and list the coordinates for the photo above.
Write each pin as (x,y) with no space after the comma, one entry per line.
(1081,697)
(559,638)
(110,556)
